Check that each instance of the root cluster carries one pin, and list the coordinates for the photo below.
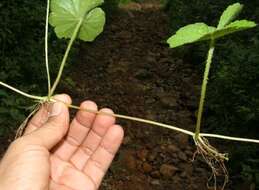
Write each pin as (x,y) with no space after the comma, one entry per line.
(23,126)
(215,161)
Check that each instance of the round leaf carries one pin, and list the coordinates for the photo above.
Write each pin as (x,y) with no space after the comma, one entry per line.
(92,25)
(66,14)
(190,34)
(233,27)
(229,15)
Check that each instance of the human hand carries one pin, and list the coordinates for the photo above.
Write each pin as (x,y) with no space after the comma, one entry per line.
(53,155)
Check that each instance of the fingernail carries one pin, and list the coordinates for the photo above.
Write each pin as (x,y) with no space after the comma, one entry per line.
(56,109)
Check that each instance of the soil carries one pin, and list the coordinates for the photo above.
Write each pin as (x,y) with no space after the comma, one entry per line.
(131,70)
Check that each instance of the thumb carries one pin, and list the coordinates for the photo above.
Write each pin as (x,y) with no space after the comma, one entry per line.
(54,129)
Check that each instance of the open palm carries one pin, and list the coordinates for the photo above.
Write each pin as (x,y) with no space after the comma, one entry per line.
(81,160)
(75,159)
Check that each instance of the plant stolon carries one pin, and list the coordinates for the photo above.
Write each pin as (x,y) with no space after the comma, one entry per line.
(84,20)
(202,32)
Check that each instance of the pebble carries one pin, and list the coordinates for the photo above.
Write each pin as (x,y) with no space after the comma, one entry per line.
(155,174)
(168,170)
(152,156)
(168,101)
(182,156)
(172,148)
(130,161)
(142,154)
(126,140)
(155,182)
(147,168)
(183,140)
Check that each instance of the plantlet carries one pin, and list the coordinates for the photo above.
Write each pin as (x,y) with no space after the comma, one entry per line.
(82,19)
(202,32)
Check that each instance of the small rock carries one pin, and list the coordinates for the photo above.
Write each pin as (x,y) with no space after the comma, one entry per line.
(147,168)
(139,165)
(155,174)
(172,148)
(165,60)
(182,156)
(151,59)
(188,169)
(168,170)
(168,101)
(184,114)
(155,182)
(175,155)
(150,101)
(183,175)
(194,186)
(152,156)
(130,161)
(183,140)
(126,140)
(118,67)
(142,154)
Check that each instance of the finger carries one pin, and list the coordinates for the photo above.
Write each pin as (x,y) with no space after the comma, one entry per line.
(41,116)
(79,128)
(54,129)
(93,139)
(100,161)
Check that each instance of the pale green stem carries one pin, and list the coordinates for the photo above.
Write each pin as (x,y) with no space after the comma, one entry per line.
(229,138)
(204,88)
(190,133)
(137,119)
(23,93)
(74,35)
(46,48)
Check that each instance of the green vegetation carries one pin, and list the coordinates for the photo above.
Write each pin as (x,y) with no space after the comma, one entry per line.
(21,32)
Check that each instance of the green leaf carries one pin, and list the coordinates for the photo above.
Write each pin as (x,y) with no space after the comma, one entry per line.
(191,33)
(229,15)
(66,14)
(92,25)
(233,27)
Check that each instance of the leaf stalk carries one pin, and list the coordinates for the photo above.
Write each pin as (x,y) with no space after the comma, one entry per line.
(74,36)
(46,48)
